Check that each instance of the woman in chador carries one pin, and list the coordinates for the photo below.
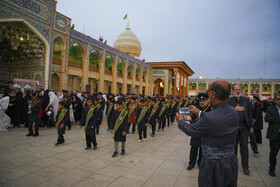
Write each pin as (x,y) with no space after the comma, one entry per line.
(4,118)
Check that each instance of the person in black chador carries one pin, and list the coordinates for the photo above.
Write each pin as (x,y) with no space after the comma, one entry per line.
(77,108)
(19,109)
(153,116)
(27,99)
(142,120)
(90,122)
(61,120)
(67,102)
(118,127)
(102,103)
(195,143)
(34,115)
(218,128)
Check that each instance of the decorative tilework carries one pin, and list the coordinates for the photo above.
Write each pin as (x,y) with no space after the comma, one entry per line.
(6,14)
(106,47)
(60,23)
(58,34)
(43,30)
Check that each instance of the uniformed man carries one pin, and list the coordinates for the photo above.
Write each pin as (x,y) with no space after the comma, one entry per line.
(153,116)
(34,115)
(61,120)
(132,110)
(195,143)
(67,103)
(218,128)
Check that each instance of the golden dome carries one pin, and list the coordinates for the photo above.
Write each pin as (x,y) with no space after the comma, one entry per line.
(128,43)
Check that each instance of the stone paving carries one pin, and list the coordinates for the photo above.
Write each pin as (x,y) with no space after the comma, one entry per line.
(160,161)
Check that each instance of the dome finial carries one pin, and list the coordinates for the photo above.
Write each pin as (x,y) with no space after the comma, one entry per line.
(127,27)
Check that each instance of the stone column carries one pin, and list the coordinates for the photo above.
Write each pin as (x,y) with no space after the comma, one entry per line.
(272,88)
(84,78)
(140,81)
(63,66)
(187,86)
(101,72)
(133,76)
(175,81)
(196,82)
(124,85)
(166,85)
(260,88)
(147,82)
(249,88)
(114,75)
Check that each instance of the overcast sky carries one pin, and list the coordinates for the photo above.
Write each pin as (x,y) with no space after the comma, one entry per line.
(216,38)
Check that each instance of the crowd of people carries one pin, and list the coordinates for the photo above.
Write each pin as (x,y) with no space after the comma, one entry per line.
(132,113)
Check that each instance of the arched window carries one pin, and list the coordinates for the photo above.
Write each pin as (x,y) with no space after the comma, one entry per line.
(120,68)
(75,56)
(94,61)
(129,71)
(57,48)
(108,65)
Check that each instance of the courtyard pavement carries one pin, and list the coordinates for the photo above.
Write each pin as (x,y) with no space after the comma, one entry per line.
(160,161)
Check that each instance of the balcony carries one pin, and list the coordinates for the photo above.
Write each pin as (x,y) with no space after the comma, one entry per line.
(74,64)
(93,68)
(56,61)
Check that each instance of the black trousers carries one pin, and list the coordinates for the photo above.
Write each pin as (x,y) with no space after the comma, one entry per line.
(30,127)
(133,127)
(242,138)
(161,123)
(97,128)
(153,124)
(274,149)
(193,156)
(142,131)
(258,134)
(60,138)
(68,122)
(253,142)
(172,117)
(168,120)
(91,139)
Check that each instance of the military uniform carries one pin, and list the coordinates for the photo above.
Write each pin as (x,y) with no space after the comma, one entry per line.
(34,117)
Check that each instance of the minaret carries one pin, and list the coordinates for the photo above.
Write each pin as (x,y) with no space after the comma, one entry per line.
(127,27)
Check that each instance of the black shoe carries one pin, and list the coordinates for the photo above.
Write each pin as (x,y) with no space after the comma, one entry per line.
(57,143)
(29,134)
(152,135)
(123,152)
(34,135)
(115,154)
(95,147)
(272,173)
(87,148)
(133,132)
(96,133)
(189,168)
(246,171)
(69,128)
(256,152)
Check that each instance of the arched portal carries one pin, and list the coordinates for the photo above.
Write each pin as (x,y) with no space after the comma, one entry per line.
(24,51)
(55,81)
(94,61)
(159,87)
(75,58)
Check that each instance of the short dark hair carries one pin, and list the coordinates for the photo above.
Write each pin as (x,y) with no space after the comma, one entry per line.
(222,92)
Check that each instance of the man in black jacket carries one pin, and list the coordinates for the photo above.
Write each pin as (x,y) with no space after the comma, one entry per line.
(273,132)
(244,109)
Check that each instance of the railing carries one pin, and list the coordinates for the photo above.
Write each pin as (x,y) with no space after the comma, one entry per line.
(92,68)
(108,72)
(74,64)
(56,61)
(144,80)
(129,77)
(120,75)
(137,78)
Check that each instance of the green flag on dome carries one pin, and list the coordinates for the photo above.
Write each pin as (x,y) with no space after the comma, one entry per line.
(125,17)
